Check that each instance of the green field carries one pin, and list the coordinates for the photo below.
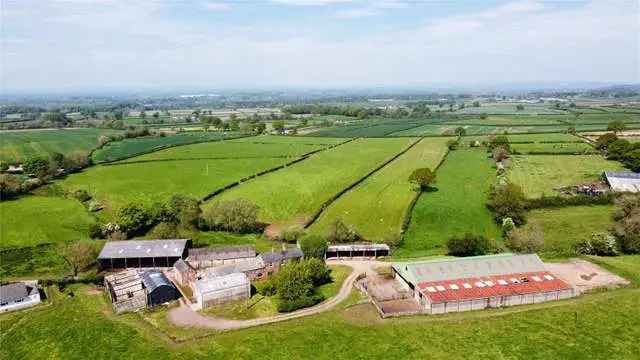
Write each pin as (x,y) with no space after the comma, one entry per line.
(376,207)
(75,327)
(130,147)
(449,129)
(563,227)
(555,148)
(34,220)
(508,120)
(542,174)
(19,145)
(520,138)
(371,128)
(293,194)
(457,207)
(510,109)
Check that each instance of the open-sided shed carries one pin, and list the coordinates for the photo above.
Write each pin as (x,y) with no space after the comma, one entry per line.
(143,253)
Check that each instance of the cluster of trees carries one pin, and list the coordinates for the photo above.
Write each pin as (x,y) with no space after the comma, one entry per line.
(620,149)
(294,284)
(627,227)
(239,216)
(508,201)
(352,111)
(130,133)
(469,245)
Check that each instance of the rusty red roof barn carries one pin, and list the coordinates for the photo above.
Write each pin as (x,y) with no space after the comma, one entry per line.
(480,282)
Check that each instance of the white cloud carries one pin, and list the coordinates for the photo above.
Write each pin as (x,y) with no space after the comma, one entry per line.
(217,6)
(310,2)
(356,13)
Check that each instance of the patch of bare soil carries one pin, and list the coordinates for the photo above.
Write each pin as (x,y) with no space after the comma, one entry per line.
(274,231)
(93,291)
(584,276)
(362,315)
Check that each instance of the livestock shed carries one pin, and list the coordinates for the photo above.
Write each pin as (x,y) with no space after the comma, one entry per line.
(143,253)
(201,258)
(221,289)
(160,289)
(274,259)
(623,181)
(452,285)
(19,295)
(254,268)
(357,250)
(126,291)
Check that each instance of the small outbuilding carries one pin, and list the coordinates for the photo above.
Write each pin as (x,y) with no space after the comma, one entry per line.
(201,258)
(126,291)
(357,250)
(143,253)
(274,259)
(216,290)
(18,296)
(623,181)
(184,273)
(253,268)
(160,289)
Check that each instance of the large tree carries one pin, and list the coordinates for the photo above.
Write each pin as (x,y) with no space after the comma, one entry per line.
(422,178)
(79,255)
(616,126)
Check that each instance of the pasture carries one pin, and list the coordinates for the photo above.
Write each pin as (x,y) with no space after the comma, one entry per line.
(553,148)
(130,147)
(34,220)
(293,194)
(455,207)
(18,145)
(376,207)
(448,128)
(526,138)
(585,331)
(563,227)
(512,120)
(511,109)
(543,174)
(371,128)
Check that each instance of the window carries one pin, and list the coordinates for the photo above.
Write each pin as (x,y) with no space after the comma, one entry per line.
(548,277)
(440,288)
(466,286)
(489,283)
(480,284)
(431,289)
(502,282)
(535,278)
(454,287)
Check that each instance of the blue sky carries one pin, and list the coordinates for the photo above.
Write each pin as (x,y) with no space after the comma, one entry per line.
(156,44)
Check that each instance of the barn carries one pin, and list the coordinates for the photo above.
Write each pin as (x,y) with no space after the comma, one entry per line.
(143,253)
(221,289)
(201,258)
(160,289)
(623,181)
(357,250)
(473,283)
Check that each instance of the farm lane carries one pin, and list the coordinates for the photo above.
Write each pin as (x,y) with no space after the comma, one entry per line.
(186,317)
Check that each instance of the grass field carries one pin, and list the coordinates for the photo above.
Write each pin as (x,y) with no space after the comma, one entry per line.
(563,227)
(129,147)
(33,220)
(508,120)
(295,193)
(556,148)
(510,109)
(376,207)
(541,174)
(19,145)
(457,207)
(569,329)
(372,128)
(449,129)
(520,138)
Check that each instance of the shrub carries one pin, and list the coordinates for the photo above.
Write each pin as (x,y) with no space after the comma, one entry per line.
(422,178)
(617,149)
(500,140)
(339,232)
(527,241)
(95,231)
(508,200)
(291,235)
(164,231)
(452,144)
(299,303)
(313,246)
(604,140)
(600,244)
(185,209)
(468,245)
(318,271)
(36,166)
(81,195)
(240,216)
(499,153)
(10,186)
(134,219)
(564,201)
(94,206)
(266,287)
(507,225)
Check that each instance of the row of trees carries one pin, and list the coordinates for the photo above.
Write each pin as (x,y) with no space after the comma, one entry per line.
(620,149)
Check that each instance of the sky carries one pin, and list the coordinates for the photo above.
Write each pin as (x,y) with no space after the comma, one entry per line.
(67,45)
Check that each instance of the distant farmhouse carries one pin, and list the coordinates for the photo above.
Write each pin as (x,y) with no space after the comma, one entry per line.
(473,283)
(143,253)
(18,295)
(624,181)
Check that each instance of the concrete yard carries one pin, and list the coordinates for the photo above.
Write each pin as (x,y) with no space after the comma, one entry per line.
(584,276)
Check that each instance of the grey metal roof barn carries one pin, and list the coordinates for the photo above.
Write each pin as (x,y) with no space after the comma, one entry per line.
(143,253)
(357,250)
(475,266)
(222,253)
(279,256)
(623,181)
(255,263)
(12,292)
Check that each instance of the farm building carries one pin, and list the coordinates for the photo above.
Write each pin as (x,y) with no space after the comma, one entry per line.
(473,283)
(201,258)
(18,295)
(274,259)
(126,291)
(184,273)
(159,288)
(623,181)
(357,250)
(253,268)
(143,253)
(221,289)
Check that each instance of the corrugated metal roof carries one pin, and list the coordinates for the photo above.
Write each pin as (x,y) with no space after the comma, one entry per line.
(143,248)
(239,266)
(477,266)
(154,279)
(277,256)
(218,283)
(13,292)
(491,286)
(182,266)
(358,247)
(222,253)
(623,181)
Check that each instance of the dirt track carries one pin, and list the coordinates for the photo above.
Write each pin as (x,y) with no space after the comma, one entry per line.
(186,317)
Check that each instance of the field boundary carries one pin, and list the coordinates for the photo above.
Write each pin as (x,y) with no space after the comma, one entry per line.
(203,158)
(246,178)
(335,197)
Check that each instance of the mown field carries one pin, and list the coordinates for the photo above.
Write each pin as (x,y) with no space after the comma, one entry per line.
(553,148)
(511,109)
(449,129)
(130,147)
(19,145)
(456,207)
(510,120)
(570,329)
(34,220)
(372,128)
(563,227)
(376,207)
(542,174)
(524,138)
(293,194)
